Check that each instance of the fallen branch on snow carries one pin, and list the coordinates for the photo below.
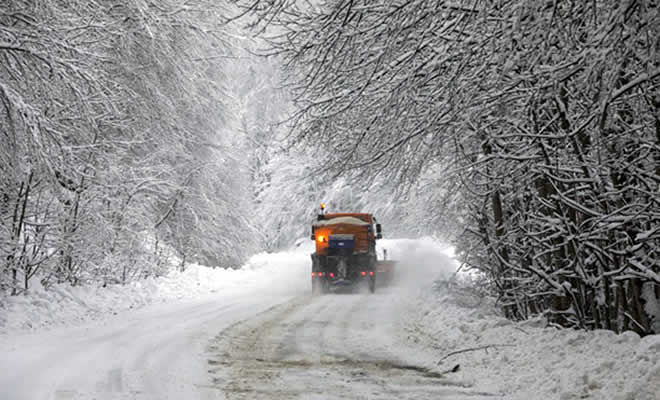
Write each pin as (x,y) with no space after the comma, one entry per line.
(485,347)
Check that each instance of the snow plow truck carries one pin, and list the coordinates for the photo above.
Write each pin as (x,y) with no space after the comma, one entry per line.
(345,253)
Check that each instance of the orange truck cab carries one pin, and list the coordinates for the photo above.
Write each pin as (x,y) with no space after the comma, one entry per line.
(345,251)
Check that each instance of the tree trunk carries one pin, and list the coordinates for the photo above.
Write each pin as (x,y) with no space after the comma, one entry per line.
(24,194)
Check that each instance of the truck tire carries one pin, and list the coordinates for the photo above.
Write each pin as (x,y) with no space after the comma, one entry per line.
(319,287)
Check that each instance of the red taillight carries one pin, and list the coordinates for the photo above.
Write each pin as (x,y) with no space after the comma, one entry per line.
(313,273)
(363,273)
(332,275)
(371,273)
(320,273)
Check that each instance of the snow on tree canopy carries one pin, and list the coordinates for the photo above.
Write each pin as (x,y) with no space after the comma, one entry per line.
(340,220)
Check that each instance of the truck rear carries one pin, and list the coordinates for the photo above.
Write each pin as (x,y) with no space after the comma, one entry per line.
(345,253)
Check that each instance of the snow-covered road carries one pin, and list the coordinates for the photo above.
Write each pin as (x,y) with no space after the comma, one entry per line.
(258,333)
(270,347)
(247,335)
(158,352)
(348,346)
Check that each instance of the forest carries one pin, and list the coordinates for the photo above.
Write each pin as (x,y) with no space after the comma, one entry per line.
(529,130)
(115,147)
(138,136)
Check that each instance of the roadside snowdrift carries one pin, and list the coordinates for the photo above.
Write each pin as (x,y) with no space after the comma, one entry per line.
(528,361)
(455,325)
(63,305)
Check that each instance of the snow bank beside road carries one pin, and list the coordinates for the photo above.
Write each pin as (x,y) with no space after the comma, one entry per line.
(528,361)
(63,305)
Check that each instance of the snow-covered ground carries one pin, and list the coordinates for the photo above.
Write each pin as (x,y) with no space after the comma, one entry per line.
(258,333)
(529,361)
(63,305)
(142,341)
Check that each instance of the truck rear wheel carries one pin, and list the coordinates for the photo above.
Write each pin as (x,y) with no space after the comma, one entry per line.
(316,287)
(319,286)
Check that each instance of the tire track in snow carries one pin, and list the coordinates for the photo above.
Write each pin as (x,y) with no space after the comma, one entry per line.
(327,347)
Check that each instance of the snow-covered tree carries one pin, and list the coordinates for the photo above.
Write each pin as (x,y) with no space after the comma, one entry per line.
(534,123)
(115,151)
